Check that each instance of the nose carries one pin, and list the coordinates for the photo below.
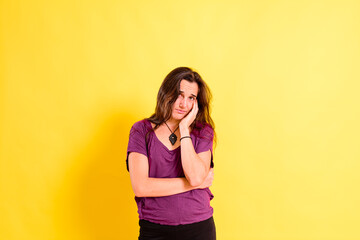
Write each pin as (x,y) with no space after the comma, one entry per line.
(183,103)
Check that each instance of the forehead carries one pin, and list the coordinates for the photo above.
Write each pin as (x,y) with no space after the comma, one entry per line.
(189,87)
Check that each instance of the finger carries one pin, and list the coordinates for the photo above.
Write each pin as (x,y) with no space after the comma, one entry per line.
(194,104)
(194,108)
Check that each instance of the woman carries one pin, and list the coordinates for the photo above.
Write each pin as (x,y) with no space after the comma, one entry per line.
(170,161)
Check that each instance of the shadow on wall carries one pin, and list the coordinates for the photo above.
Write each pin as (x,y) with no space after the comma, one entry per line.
(106,205)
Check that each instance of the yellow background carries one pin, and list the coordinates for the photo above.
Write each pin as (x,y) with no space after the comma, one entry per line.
(75,75)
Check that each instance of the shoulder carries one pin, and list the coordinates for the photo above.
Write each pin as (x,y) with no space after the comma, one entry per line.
(141,126)
(207,132)
(204,130)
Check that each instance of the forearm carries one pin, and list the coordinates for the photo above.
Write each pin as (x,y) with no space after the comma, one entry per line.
(195,169)
(159,187)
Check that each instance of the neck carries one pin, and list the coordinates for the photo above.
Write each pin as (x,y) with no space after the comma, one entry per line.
(173,124)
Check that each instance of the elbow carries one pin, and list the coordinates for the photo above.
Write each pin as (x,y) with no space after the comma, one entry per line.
(140,187)
(139,191)
(197,179)
(195,182)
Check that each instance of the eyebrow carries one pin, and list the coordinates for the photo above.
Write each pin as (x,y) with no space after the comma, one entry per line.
(191,93)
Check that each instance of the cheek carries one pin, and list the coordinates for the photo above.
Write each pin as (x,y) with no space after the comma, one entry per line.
(173,106)
(176,103)
(190,105)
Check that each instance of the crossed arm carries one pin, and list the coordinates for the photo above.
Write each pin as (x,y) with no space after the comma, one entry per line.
(145,186)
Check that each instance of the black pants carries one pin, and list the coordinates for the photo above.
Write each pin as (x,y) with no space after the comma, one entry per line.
(204,230)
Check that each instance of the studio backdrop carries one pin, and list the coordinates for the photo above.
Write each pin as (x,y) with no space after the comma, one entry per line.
(75,76)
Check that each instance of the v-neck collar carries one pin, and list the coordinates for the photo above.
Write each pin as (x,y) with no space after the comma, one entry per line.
(169,150)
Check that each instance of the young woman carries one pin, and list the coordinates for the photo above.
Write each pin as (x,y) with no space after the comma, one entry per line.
(170,160)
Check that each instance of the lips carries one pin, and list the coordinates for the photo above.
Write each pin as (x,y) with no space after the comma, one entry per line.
(179,111)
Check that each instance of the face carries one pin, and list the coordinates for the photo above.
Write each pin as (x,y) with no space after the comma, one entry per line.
(185,101)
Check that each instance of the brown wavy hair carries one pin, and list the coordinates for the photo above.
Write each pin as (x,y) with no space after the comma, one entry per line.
(169,92)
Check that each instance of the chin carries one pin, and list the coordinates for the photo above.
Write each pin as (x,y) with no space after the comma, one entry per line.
(177,117)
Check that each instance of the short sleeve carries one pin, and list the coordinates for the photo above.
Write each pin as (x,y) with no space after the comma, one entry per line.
(205,141)
(137,142)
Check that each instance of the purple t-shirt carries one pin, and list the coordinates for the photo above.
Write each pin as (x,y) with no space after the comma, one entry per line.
(183,208)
